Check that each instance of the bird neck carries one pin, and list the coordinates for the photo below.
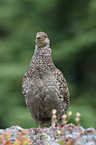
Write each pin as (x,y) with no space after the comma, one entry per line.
(41,62)
(44,50)
(42,58)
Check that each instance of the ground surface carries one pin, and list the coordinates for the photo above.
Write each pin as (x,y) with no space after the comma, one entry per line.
(68,135)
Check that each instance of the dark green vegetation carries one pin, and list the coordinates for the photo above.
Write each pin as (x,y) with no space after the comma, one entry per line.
(71,27)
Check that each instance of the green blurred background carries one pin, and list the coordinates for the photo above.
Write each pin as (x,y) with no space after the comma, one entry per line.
(71,27)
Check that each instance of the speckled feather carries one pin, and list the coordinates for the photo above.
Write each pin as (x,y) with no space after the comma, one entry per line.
(43,86)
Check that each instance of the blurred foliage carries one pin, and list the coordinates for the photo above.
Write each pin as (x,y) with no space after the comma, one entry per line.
(71,27)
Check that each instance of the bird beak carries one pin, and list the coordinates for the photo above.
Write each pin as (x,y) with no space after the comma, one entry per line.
(38,37)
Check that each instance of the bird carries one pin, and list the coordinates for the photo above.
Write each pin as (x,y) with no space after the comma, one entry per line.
(43,86)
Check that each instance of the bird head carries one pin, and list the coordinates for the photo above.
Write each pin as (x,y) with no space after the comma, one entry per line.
(42,39)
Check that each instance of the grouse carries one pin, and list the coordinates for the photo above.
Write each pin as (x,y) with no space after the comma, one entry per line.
(44,86)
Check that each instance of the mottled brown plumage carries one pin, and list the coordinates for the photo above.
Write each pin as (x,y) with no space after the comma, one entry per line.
(44,87)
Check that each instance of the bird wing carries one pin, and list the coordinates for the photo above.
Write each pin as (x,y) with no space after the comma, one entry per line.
(64,92)
(25,85)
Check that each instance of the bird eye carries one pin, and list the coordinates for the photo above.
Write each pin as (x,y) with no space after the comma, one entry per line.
(44,36)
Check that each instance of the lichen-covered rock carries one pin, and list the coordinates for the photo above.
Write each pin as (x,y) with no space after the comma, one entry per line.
(69,134)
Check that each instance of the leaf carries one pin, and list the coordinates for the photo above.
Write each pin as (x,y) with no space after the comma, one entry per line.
(8,135)
(7,143)
(16,142)
(61,142)
(59,132)
(26,141)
